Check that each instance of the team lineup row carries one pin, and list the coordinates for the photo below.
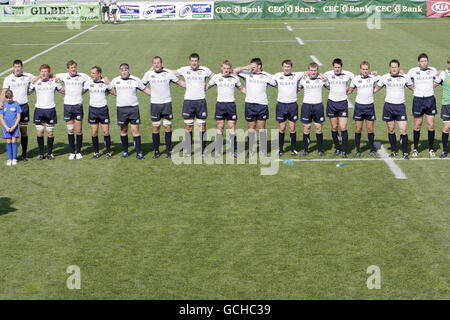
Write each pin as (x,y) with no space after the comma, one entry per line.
(15,113)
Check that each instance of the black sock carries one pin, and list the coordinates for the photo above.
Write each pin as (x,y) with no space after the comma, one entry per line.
(168,140)
(371,137)
(293,140)
(404,141)
(444,141)
(79,142)
(357,141)
(334,134)
(430,140)
(188,142)
(416,139)
(203,140)
(95,144)
(281,141)
(124,140)
(393,141)
(233,142)
(71,138)
(24,144)
(107,140)
(40,141)
(319,137)
(50,144)
(137,144)
(306,142)
(156,141)
(344,140)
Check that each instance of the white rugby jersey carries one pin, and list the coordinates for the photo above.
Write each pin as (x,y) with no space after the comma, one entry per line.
(19,86)
(287,86)
(395,87)
(126,90)
(97,93)
(45,93)
(256,85)
(338,84)
(312,89)
(364,86)
(423,81)
(73,87)
(195,82)
(225,86)
(160,85)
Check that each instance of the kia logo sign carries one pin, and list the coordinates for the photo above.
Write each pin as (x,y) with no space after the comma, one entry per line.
(441,7)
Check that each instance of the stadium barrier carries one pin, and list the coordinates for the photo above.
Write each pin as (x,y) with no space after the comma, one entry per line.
(262,9)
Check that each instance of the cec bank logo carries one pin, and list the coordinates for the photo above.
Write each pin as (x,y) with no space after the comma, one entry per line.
(236,9)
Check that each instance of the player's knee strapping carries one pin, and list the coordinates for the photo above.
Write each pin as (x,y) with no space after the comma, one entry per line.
(189,122)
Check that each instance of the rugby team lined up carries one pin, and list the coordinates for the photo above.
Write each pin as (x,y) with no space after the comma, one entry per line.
(15,112)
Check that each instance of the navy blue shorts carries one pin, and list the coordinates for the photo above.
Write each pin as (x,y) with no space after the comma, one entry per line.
(445,112)
(256,111)
(195,109)
(423,106)
(97,115)
(395,112)
(337,109)
(113,11)
(225,111)
(161,110)
(73,112)
(105,9)
(312,112)
(287,111)
(25,114)
(126,115)
(364,112)
(45,116)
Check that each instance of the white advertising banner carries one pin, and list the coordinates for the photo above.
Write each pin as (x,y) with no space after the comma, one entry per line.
(165,10)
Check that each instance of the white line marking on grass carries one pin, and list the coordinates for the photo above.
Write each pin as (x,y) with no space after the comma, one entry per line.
(300,41)
(398,173)
(316,60)
(50,49)
(289,28)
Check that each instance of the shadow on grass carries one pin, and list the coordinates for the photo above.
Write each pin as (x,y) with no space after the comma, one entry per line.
(5,206)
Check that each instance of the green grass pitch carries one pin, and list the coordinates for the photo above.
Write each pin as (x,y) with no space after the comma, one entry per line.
(155,230)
